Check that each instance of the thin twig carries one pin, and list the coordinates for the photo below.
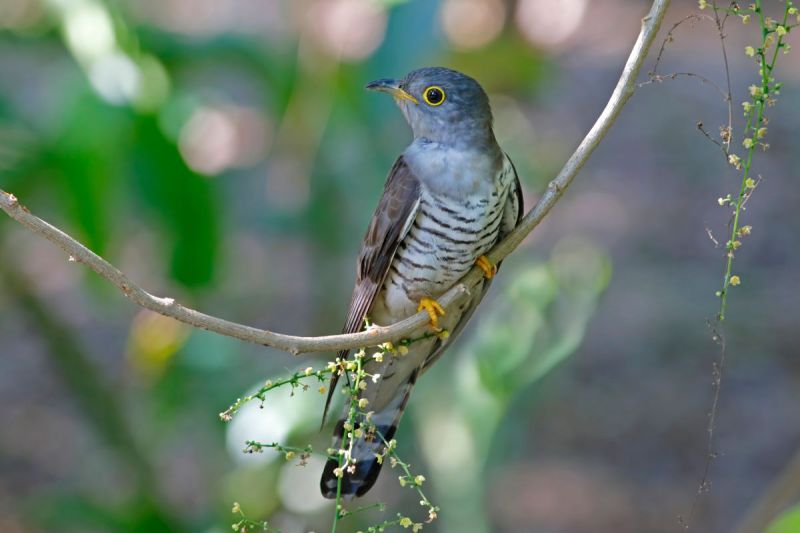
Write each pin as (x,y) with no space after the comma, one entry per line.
(702,129)
(711,236)
(718,336)
(295,344)
(659,78)
(717,332)
(729,96)
(669,37)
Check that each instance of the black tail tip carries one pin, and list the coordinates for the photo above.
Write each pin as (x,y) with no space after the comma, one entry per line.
(354,484)
(330,482)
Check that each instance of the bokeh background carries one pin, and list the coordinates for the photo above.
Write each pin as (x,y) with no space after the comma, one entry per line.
(224,152)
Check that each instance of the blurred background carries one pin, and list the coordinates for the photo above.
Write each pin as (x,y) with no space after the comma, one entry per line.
(224,152)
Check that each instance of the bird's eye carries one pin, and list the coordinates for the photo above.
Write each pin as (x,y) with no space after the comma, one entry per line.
(433,95)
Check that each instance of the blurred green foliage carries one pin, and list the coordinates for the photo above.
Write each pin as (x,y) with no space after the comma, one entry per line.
(787,522)
(537,322)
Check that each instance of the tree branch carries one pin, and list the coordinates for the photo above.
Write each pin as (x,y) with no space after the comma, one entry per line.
(296,345)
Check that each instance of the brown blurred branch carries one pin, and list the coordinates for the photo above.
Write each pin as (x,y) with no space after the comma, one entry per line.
(296,345)
(784,491)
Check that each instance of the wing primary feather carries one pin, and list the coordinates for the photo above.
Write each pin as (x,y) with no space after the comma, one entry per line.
(390,223)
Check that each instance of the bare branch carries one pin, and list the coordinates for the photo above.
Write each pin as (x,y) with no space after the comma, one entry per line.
(660,78)
(720,22)
(296,345)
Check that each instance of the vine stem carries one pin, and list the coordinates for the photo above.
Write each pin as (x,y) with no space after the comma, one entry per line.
(760,101)
(754,113)
(348,434)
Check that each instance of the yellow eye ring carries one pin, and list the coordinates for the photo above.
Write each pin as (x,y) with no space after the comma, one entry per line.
(433,95)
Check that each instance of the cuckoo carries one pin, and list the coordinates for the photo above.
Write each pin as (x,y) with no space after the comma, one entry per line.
(449,198)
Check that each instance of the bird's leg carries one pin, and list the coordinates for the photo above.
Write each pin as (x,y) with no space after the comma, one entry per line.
(489,268)
(434,311)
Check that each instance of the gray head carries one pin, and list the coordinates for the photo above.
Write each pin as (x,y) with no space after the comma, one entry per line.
(442,105)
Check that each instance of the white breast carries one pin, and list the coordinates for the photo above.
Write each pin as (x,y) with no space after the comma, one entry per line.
(448,234)
(449,172)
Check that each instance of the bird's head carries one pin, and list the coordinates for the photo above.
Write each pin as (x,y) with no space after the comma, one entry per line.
(441,105)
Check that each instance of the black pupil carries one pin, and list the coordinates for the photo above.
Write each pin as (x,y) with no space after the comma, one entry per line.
(434,96)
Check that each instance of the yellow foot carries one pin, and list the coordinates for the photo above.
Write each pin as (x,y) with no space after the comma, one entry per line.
(434,311)
(489,268)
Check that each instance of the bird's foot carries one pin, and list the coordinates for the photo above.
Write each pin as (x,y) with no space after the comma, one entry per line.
(434,311)
(489,268)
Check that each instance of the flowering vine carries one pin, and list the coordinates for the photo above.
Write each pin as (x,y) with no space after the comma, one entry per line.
(357,425)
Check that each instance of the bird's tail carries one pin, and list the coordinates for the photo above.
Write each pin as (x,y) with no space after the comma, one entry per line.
(357,480)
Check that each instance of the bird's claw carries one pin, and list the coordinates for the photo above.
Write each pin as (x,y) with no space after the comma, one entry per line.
(434,311)
(489,268)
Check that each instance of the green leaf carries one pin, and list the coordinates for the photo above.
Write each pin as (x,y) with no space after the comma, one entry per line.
(542,317)
(507,335)
(788,522)
(182,199)
(85,159)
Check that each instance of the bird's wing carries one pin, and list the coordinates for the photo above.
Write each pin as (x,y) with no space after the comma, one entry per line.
(512,215)
(515,205)
(390,223)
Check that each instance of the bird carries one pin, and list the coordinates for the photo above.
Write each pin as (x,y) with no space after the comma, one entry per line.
(450,196)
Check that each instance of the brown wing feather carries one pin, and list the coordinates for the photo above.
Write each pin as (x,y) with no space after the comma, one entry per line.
(397,205)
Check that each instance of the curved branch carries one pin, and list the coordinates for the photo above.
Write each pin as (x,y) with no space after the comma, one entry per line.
(296,345)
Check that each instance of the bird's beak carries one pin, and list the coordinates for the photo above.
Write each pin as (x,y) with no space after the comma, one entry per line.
(392,87)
